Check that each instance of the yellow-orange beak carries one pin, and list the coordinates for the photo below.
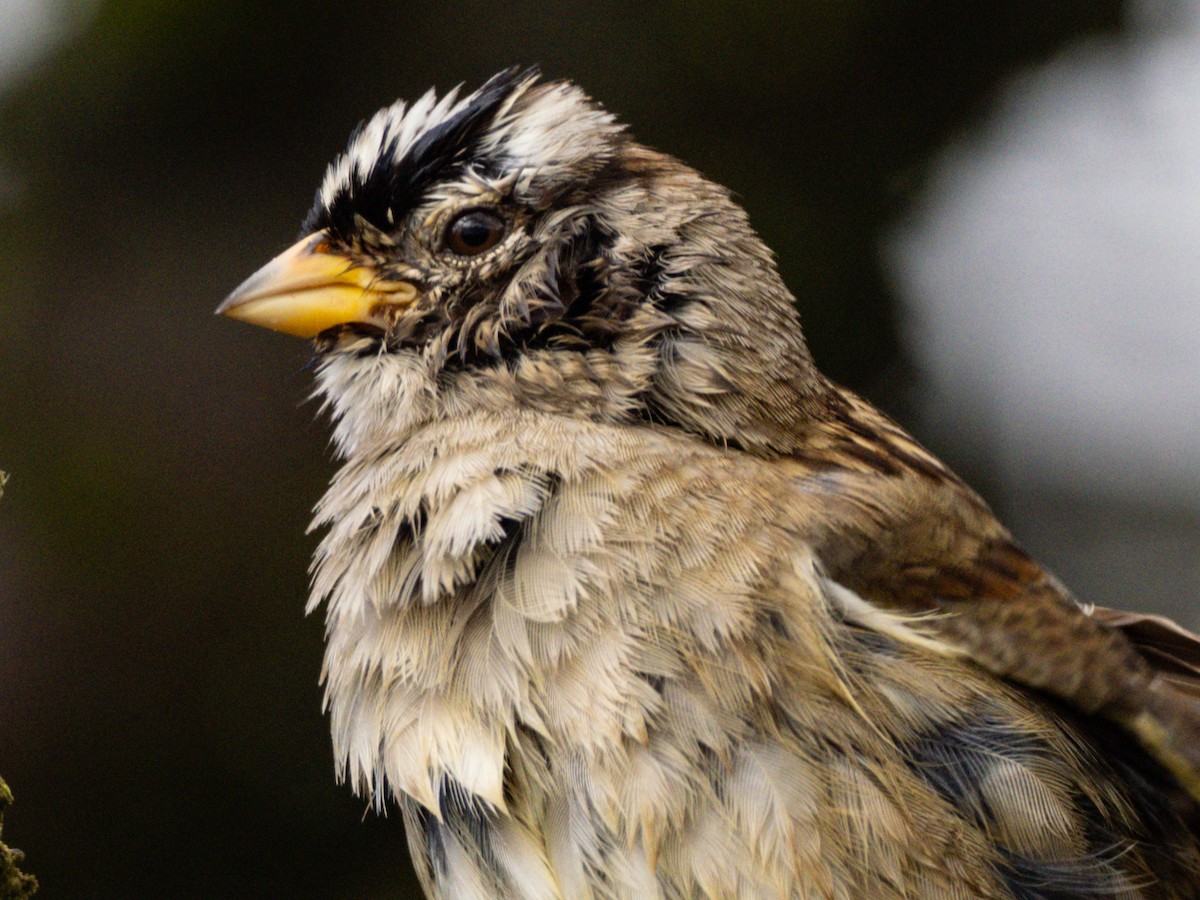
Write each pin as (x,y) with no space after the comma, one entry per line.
(307,289)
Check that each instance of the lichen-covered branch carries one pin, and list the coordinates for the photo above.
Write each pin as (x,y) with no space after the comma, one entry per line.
(14,884)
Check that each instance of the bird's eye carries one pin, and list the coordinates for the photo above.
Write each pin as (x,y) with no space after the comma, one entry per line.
(474,231)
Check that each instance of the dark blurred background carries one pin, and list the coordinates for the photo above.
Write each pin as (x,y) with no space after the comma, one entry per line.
(160,717)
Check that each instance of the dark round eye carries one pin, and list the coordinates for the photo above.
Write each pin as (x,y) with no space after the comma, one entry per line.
(474,231)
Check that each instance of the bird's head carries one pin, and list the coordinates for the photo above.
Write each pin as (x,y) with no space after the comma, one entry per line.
(518,238)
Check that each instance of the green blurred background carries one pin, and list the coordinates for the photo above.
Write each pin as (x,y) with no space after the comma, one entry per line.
(160,716)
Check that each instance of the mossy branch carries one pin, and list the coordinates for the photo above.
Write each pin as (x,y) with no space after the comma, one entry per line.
(14,884)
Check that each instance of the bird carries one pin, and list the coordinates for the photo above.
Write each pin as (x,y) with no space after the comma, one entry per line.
(625,598)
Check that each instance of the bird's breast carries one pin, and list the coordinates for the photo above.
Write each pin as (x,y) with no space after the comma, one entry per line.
(526,572)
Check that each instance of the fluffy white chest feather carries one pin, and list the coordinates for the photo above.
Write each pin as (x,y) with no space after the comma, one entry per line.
(523,598)
(496,573)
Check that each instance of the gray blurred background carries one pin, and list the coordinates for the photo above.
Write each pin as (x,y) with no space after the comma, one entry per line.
(989,213)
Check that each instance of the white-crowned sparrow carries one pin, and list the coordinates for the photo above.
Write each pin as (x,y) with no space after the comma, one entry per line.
(626,599)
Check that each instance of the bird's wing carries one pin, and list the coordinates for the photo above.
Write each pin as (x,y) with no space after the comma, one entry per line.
(908,536)
(1172,651)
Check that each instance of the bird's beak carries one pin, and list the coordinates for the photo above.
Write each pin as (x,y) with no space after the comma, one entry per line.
(309,288)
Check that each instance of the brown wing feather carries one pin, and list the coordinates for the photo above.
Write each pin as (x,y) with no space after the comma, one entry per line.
(914,538)
(1171,650)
